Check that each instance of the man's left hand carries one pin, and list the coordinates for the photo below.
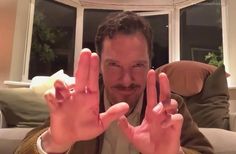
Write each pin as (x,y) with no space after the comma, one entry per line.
(160,130)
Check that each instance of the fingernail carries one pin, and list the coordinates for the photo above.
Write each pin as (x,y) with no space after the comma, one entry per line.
(158,108)
(85,49)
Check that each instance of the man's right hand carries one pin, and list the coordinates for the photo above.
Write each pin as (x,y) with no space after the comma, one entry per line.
(74,109)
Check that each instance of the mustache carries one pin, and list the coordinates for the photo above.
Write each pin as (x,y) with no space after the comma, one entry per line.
(130,87)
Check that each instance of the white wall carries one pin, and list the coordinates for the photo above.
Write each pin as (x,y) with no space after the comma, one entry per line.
(232,41)
(7,26)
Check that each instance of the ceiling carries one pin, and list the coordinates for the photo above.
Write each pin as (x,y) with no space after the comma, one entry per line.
(134,4)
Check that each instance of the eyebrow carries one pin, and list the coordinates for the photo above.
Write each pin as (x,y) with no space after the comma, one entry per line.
(111,60)
(142,61)
(137,61)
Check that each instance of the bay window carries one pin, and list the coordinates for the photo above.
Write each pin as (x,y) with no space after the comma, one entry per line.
(187,30)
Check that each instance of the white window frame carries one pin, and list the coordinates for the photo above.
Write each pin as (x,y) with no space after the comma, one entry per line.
(224,18)
(171,29)
(78,36)
(174,29)
(224,15)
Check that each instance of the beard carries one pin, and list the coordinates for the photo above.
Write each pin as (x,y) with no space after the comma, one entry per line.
(134,92)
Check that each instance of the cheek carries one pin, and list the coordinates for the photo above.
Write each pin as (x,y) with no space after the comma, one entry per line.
(140,75)
(110,75)
(112,71)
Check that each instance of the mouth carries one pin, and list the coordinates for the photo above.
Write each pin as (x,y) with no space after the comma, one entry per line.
(125,91)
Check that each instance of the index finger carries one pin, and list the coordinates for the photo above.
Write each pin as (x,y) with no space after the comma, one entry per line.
(82,72)
(164,88)
(94,73)
(151,90)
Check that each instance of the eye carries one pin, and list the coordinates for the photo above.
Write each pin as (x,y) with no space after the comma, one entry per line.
(139,65)
(113,64)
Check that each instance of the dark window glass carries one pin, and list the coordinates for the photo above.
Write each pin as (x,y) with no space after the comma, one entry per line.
(53,38)
(201,33)
(159,24)
(92,19)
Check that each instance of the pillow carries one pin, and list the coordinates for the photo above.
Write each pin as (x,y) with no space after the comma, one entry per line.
(210,108)
(22,107)
(40,84)
(181,75)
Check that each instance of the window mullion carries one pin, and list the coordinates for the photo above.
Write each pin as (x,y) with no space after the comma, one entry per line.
(28,42)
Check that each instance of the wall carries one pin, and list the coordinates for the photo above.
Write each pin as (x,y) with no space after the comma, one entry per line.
(232,41)
(7,27)
(232,52)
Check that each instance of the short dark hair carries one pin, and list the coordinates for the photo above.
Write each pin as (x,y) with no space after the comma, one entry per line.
(126,23)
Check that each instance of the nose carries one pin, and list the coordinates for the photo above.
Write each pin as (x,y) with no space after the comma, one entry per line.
(127,77)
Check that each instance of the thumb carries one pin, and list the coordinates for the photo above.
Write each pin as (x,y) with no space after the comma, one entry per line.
(113,113)
(126,128)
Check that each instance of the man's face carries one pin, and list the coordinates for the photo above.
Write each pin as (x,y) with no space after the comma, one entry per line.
(124,66)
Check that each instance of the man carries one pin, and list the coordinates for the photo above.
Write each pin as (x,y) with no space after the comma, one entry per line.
(88,117)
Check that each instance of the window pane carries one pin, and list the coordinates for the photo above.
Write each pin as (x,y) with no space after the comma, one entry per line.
(53,39)
(92,18)
(159,24)
(201,32)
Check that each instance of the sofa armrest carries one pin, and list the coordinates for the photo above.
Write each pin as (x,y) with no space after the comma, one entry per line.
(223,141)
(2,120)
(10,138)
(232,121)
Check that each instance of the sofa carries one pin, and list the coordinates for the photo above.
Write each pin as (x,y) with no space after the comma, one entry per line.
(22,109)
(205,91)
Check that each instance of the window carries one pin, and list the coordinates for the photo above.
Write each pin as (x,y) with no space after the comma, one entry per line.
(158,22)
(92,18)
(201,32)
(180,33)
(53,38)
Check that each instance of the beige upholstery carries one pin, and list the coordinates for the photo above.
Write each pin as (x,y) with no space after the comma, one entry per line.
(222,140)
(10,138)
(232,122)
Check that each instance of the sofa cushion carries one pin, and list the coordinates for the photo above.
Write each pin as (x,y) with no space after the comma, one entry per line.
(223,141)
(210,108)
(26,106)
(182,74)
(10,138)
(22,107)
(40,84)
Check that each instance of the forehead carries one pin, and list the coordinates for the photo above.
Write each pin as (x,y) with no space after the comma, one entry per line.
(125,47)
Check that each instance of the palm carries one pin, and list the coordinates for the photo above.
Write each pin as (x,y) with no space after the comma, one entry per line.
(159,131)
(83,118)
(149,138)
